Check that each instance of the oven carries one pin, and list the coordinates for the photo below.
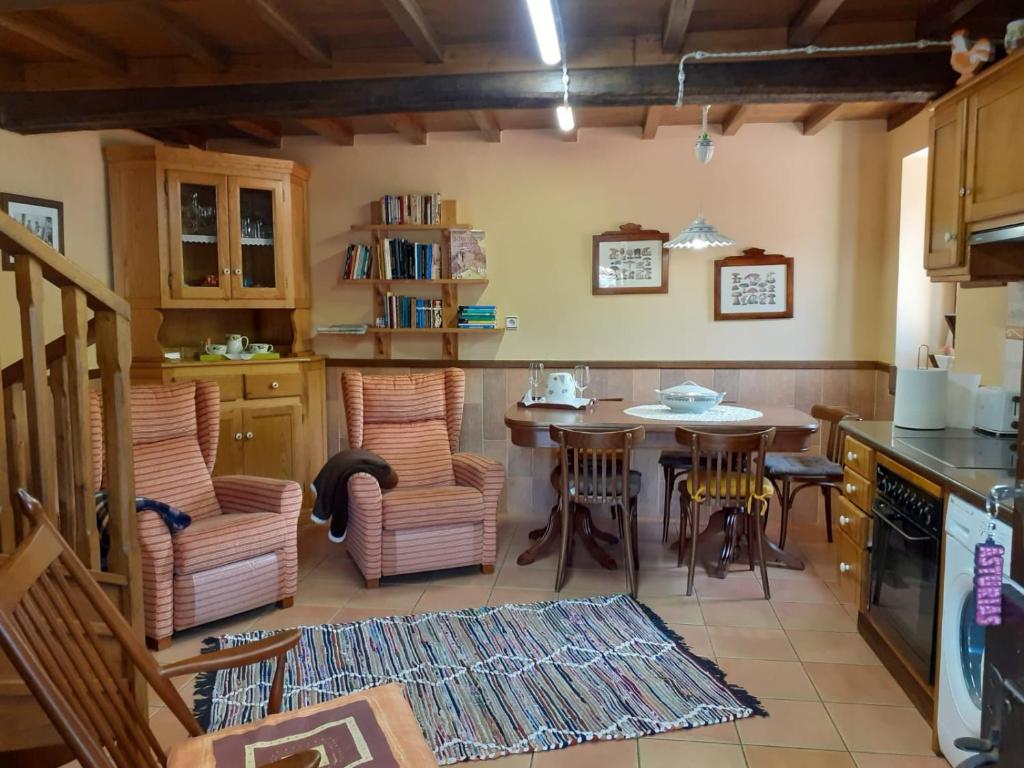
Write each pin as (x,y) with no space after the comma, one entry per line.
(903,588)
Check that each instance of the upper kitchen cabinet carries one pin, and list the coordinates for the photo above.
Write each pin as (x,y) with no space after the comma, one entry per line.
(206,230)
(976,177)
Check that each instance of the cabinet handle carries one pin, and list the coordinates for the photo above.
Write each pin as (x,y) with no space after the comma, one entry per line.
(248,435)
(845,568)
(851,488)
(967,191)
(844,520)
(227,270)
(949,237)
(238,270)
(238,435)
(851,456)
(275,385)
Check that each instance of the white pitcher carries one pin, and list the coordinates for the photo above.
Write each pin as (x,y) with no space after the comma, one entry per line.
(561,388)
(237,343)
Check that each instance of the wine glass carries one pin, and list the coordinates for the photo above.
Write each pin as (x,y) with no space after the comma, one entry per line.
(581,375)
(536,374)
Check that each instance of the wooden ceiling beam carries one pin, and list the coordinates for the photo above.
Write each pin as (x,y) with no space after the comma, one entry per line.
(414,25)
(11,71)
(487,123)
(258,131)
(173,25)
(61,38)
(820,118)
(903,115)
(939,17)
(915,77)
(736,119)
(677,23)
(652,119)
(336,131)
(180,137)
(409,127)
(309,46)
(41,5)
(810,20)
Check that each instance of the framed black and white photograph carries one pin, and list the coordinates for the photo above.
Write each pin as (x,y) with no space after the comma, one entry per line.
(630,260)
(44,218)
(754,286)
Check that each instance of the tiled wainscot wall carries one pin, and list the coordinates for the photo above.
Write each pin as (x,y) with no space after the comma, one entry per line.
(528,494)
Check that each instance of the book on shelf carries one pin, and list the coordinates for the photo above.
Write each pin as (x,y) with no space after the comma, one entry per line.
(401,259)
(359,263)
(466,254)
(411,312)
(411,209)
(477,316)
(354,329)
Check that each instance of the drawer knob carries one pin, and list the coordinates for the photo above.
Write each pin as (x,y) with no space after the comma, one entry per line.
(851,456)
(238,270)
(851,488)
(844,520)
(275,385)
(949,237)
(845,567)
(238,435)
(227,270)
(248,435)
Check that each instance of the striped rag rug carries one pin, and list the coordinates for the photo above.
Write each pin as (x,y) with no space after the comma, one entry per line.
(499,680)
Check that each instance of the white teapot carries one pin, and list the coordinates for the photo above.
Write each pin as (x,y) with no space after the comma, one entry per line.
(236,343)
(561,389)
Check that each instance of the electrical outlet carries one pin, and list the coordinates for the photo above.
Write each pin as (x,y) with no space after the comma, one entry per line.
(511,322)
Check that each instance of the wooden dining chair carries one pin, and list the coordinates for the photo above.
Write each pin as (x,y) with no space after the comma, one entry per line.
(674,466)
(791,473)
(727,473)
(594,468)
(75,652)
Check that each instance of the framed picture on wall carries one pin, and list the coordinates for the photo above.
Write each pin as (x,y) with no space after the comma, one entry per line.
(754,286)
(44,218)
(630,259)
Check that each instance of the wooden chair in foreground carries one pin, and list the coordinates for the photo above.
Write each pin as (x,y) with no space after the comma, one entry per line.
(75,653)
(791,473)
(727,473)
(594,468)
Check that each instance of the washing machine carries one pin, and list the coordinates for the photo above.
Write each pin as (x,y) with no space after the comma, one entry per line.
(962,642)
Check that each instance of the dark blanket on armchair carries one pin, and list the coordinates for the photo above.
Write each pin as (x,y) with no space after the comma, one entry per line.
(331,486)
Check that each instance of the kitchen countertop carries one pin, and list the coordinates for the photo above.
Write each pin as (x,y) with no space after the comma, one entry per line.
(972,484)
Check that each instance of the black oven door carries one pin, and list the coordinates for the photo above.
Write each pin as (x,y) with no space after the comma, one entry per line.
(903,597)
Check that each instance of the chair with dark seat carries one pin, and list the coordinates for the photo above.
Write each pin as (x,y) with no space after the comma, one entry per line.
(594,468)
(674,466)
(791,473)
(728,474)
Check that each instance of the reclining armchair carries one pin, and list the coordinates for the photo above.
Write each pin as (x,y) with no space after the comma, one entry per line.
(443,512)
(239,552)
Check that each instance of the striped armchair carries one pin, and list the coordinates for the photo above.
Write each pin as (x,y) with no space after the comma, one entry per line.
(239,552)
(443,512)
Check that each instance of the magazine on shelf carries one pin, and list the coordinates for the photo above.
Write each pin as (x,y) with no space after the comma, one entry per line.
(468,261)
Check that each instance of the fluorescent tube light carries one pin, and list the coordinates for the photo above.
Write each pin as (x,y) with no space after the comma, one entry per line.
(543,18)
(565,119)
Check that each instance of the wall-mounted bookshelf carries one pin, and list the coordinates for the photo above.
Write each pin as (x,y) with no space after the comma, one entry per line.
(448,287)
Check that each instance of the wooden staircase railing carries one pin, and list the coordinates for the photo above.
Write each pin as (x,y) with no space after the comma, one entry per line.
(45,437)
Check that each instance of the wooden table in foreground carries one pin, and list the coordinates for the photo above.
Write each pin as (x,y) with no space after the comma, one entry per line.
(529,428)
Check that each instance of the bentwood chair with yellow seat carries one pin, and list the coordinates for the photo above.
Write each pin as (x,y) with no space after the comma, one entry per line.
(728,474)
(77,653)
(594,468)
(791,473)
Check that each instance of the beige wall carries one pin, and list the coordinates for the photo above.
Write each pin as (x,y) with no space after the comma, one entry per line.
(67,167)
(540,199)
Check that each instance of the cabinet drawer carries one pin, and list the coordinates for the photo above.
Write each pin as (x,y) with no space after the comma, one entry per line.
(851,562)
(230,384)
(857,456)
(259,385)
(857,489)
(854,523)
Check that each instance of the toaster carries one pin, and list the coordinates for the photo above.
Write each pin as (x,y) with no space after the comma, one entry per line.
(996,411)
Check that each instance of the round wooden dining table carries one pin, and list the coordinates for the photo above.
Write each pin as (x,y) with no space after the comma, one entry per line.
(716,544)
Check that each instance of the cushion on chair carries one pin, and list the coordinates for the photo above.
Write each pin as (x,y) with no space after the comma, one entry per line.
(397,399)
(678,460)
(731,485)
(406,508)
(229,538)
(418,451)
(590,483)
(801,465)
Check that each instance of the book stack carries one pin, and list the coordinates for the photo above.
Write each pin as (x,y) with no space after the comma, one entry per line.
(359,263)
(410,312)
(404,260)
(411,209)
(477,316)
(348,329)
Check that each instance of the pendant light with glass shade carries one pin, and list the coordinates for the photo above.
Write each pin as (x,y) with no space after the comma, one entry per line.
(700,234)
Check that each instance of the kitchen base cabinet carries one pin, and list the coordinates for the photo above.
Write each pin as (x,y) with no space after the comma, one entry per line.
(854,506)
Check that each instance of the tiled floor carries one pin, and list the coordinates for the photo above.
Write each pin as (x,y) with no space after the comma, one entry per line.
(831,703)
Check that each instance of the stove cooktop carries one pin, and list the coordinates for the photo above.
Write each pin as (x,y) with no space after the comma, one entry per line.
(970,451)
